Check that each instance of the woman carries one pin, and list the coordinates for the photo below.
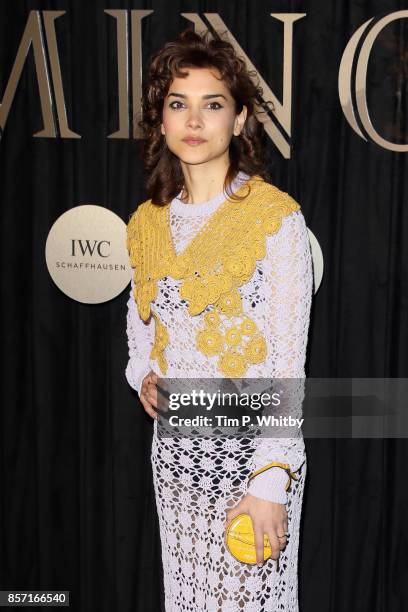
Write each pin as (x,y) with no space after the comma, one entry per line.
(222,288)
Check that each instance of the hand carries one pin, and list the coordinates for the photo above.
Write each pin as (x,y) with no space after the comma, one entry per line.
(267,517)
(148,394)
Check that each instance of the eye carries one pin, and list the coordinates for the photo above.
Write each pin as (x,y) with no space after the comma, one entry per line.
(171,105)
(219,105)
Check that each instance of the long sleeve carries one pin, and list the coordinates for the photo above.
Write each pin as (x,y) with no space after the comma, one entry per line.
(288,278)
(140,337)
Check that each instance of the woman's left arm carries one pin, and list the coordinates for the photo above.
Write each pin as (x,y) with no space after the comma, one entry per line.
(288,286)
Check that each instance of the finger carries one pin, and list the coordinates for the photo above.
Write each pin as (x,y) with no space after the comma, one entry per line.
(146,379)
(282,543)
(282,530)
(274,542)
(147,395)
(152,394)
(163,399)
(259,543)
(148,408)
(149,378)
(231,513)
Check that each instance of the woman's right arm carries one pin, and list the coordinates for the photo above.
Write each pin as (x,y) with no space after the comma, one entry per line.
(140,338)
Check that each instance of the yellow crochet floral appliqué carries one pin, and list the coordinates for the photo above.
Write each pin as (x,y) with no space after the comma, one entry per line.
(255,350)
(230,303)
(232,364)
(217,261)
(248,327)
(233,336)
(212,319)
(237,345)
(210,342)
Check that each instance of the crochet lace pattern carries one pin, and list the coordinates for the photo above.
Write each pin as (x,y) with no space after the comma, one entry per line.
(172,325)
(217,261)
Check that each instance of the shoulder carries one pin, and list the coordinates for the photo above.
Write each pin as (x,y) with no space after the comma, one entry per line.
(267,195)
(138,214)
(133,231)
(142,220)
(282,211)
(291,235)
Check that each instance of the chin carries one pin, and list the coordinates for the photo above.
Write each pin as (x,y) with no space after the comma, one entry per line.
(192,159)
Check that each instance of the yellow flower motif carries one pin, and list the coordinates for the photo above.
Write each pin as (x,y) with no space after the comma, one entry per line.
(230,303)
(211,287)
(224,282)
(255,350)
(248,327)
(212,319)
(209,342)
(197,303)
(241,266)
(195,293)
(280,210)
(271,224)
(232,364)
(233,336)
(200,291)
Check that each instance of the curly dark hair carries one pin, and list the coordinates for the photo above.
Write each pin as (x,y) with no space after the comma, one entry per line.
(197,50)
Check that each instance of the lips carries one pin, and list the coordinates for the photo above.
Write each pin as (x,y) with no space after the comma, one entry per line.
(193,141)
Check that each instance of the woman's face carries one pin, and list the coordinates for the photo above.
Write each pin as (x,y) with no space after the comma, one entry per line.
(200,107)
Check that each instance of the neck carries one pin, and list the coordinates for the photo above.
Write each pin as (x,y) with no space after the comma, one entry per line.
(202,183)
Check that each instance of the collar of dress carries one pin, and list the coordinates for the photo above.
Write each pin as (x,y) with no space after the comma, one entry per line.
(220,258)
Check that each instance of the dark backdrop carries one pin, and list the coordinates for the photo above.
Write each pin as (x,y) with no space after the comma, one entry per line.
(77,506)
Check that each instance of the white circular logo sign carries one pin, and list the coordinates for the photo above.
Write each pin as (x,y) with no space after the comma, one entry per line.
(86,254)
(317,257)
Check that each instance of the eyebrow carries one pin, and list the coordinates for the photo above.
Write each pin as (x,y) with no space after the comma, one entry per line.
(206,97)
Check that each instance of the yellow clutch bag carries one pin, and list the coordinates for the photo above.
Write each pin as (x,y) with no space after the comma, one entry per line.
(239,534)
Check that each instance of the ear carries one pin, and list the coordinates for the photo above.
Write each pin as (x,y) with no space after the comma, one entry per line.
(240,120)
(162,129)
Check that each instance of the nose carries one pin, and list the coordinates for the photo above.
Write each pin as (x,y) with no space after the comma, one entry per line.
(194,119)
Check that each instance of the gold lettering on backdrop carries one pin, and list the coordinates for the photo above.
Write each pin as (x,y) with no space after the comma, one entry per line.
(121,16)
(345,75)
(282,111)
(123,72)
(51,75)
(137,61)
(33,36)
(49,18)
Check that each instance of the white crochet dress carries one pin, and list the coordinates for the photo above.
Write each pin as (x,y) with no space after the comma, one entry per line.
(196,479)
